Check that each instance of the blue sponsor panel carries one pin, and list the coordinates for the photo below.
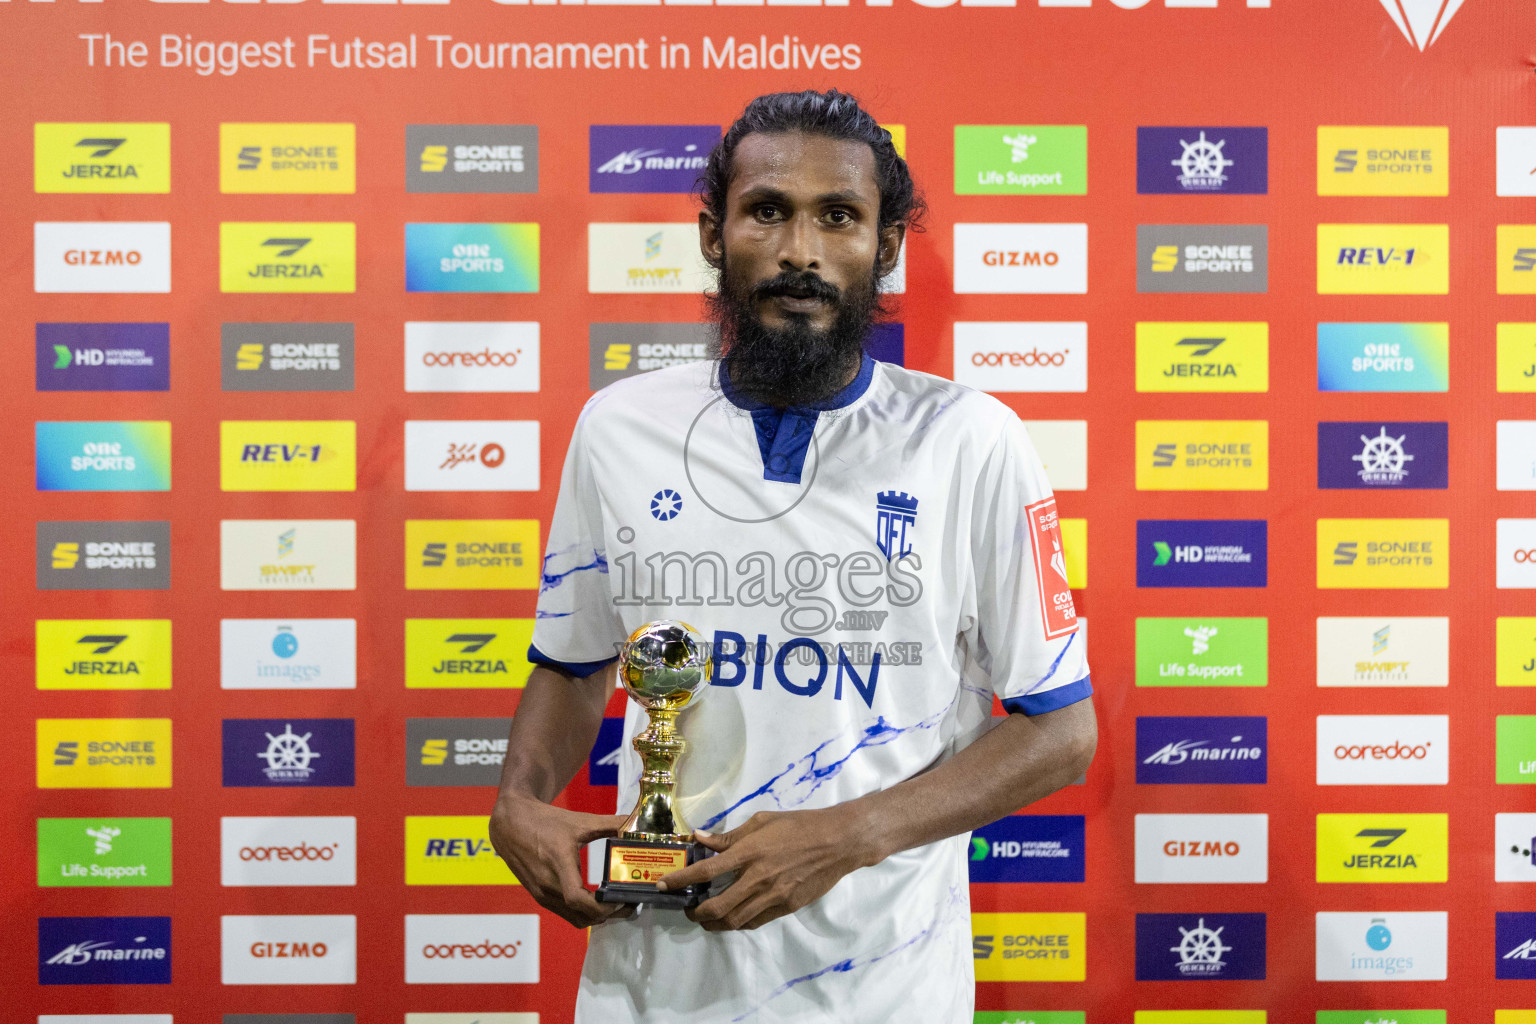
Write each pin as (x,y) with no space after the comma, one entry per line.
(1202,553)
(1515,945)
(103,455)
(288,752)
(1202,160)
(1029,848)
(603,762)
(1200,947)
(1204,749)
(103,357)
(1380,357)
(1383,455)
(887,343)
(648,157)
(104,951)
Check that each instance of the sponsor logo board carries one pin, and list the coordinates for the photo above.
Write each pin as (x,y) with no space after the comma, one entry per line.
(455,751)
(287,256)
(1382,847)
(103,851)
(1516,255)
(603,759)
(1383,553)
(471,455)
(1383,750)
(467,653)
(1202,552)
(288,654)
(288,949)
(1030,848)
(121,257)
(288,554)
(1383,259)
(1062,446)
(1515,945)
(1386,946)
(1515,749)
(480,356)
(303,159)
(1383,651)
(1202,160)
(471,949)
(286,357)
(1380,1016)
(287,455)
(1200,1017)
(1516,455)
(1021,159)
(1019,356)
(288,752)
(471,554)
(1516,357)
(631,258)
(477,158)
(1202,258)
(103,357)
(623,350)
(1029,1017)
(1211,651)
(452,850)
(103,753)
(1202,357)
(104,950)
(1515,646)
(1383,357)
(1515,541)
(1386,160)
(103,455)
(1030,947)
(1515,173)
(103,556)
(1202,848)
(474,1018)
(1202,749)
(1021,259)
(101,157)
(1200,947)
(103,654)
(648,157)
(1387,455)
(1514,847)
(471,258)
(1202,455)
(287,851)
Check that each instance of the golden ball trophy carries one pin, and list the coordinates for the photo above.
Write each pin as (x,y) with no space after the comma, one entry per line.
(665,668)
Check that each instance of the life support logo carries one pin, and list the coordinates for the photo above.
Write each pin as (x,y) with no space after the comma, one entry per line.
(1029,947)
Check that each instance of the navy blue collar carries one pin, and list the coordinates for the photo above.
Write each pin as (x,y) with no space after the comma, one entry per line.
(847,396)
(784,435)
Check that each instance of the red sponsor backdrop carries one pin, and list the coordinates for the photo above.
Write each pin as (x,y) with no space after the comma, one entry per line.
(1291,67)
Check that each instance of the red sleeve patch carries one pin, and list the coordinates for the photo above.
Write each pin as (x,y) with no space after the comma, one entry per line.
(1058,615)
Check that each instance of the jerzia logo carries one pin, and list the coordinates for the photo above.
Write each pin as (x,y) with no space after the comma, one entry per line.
(895,512)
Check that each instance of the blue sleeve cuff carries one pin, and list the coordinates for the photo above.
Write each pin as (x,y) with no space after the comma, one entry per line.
(579,669)
(1049,700)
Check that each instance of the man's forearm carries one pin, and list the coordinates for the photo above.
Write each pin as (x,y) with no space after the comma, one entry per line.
(553,731)
(1021,760)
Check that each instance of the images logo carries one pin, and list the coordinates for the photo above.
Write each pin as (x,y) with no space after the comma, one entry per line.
(1516,247)
(623,350)
(288,752)
(1383,259)
(103,753)
(1206,749)
(471,455)
(103,357)
(286,357)
(1029,848)
(104,950)
(287,257)
(1202,848)
(1021,259)
(1029,947)
(1515,749)
(1383,651)
(103,556)
(103,654)
(1202,553)
(1383,553)
(1421,21)
(1203,947)
(1031,159)
(452,850)
(101,256)
(1202,455)
(103,851)
(455,751)
(1004,357)
(1182,161)
(1202,357)
(471,949)
(469,356)
(288,654)
(1516,160)
(101,455)
(1383,750)
(1382,161)
(480,158)
(288,554)
(1383,357)
(287,455)
(646,257)
(471,554)
(1189,258)
(1210,651)
(288,851)
(1381,947)
(101,157)
(1373,454)
(472,258)
(1515,645)
(288,158)
(467,653)
(1382,847)
(288,949)
(648,158)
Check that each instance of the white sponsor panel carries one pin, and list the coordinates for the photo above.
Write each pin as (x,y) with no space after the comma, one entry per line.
(105,1018)
(288,654)
(471,455)
(1021,259)
(1516,545)
(471,1018)
(1385,946)
(640,258)
(1383,651)
(288,554)
(1202,848)
(1063,449)
(1514,847)
(289,949)
(101,256)
(1516,161)
(895,283)
(288,851)
(1383,750)
(1517,455)
(471,949)
(1011,356)
(487,356)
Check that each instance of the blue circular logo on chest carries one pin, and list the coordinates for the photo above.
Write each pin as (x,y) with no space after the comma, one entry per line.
(666,504)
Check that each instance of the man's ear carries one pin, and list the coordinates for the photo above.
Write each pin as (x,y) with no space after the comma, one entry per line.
(892,236)
(711,244)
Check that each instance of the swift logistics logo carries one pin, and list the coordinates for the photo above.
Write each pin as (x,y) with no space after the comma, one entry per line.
(1209,849)
(103,654)
(483,356)
(1382,847)
(103,357)
(103,556)
(288,752)
(1383,651)
(1202,455)
(1202,749)
(1391,554)
(1359,160)
(288,949)
(471,554)
(472,258)
(296,159)
(104,950)
(110,257)
(471,949)
(472,158)
(103,852)
(286,357)
(471,455)
(1515,646)
(1383,356)
(1202,553)
(103,455)
(1063,449)
(1421,22)
(648,158)
(1030,848)
(1029,947)
(1021,259)
(101,157)
(287,455)
(467,654)
(103,753)
(287,256)
(1516,255)
(1202,161)
(1022,356)
(1383,259)
(1212,651)
(623,350)
(1383,750)
(288,654)
(288,851)
(452,850)
(1021,159)
(1383,946)
(1372,455)
(1200,947)
(629,258)
(1202,258)
(1202,357)
(455,751)
(288,554)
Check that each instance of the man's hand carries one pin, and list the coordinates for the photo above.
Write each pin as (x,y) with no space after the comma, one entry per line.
(540,843)
(783,861)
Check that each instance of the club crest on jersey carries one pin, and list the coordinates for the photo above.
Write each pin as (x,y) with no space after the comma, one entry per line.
(895,512)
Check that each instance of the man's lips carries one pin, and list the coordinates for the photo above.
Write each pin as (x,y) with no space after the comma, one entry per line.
(798,304)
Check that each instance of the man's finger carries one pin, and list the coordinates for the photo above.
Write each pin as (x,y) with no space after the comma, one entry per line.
(745,911)
(722,903)
(599,826)
(579,898)
(700,871)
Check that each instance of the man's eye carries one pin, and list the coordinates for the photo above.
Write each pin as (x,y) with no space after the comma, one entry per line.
(838,216)
(767,212)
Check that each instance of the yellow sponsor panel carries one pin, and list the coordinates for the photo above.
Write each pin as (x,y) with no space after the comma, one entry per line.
(467,654)
(898,138)
(290,158)
(287,256)
(103,753)
(1030,947)
(1516,245)
(452,850)
(101,156)
(1516,357)
(1382,847)
(288,455)
(1202,356)
(1074,548)
(471,554)
(1515,646)
(1387,554)
(1514,1017)
(1202,455)
(1383,160)
(1383,259)
(1200,1017)
(103,654)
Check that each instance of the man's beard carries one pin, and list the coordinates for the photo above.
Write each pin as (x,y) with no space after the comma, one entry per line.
(796,364)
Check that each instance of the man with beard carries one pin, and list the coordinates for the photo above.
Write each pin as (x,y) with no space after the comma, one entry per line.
(872,553)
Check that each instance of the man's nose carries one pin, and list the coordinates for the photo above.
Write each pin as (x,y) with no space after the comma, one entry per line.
(800,244)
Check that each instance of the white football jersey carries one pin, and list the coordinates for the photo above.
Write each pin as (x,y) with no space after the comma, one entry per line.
(868,574)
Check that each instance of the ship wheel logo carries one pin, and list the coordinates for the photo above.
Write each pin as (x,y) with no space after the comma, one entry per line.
(1200,950)
(1382,459)
(1201,163)
(288,756)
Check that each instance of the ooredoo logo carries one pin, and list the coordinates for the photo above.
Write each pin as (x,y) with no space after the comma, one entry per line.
(1034,357)
(468,356)
(289,949)
(1517,554)
(1383,750)
(1022,356)
(288,851)
(471,948)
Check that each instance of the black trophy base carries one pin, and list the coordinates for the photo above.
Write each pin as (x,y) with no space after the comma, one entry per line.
(631,868)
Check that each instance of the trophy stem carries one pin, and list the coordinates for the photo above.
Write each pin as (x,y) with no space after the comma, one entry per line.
(655,817)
